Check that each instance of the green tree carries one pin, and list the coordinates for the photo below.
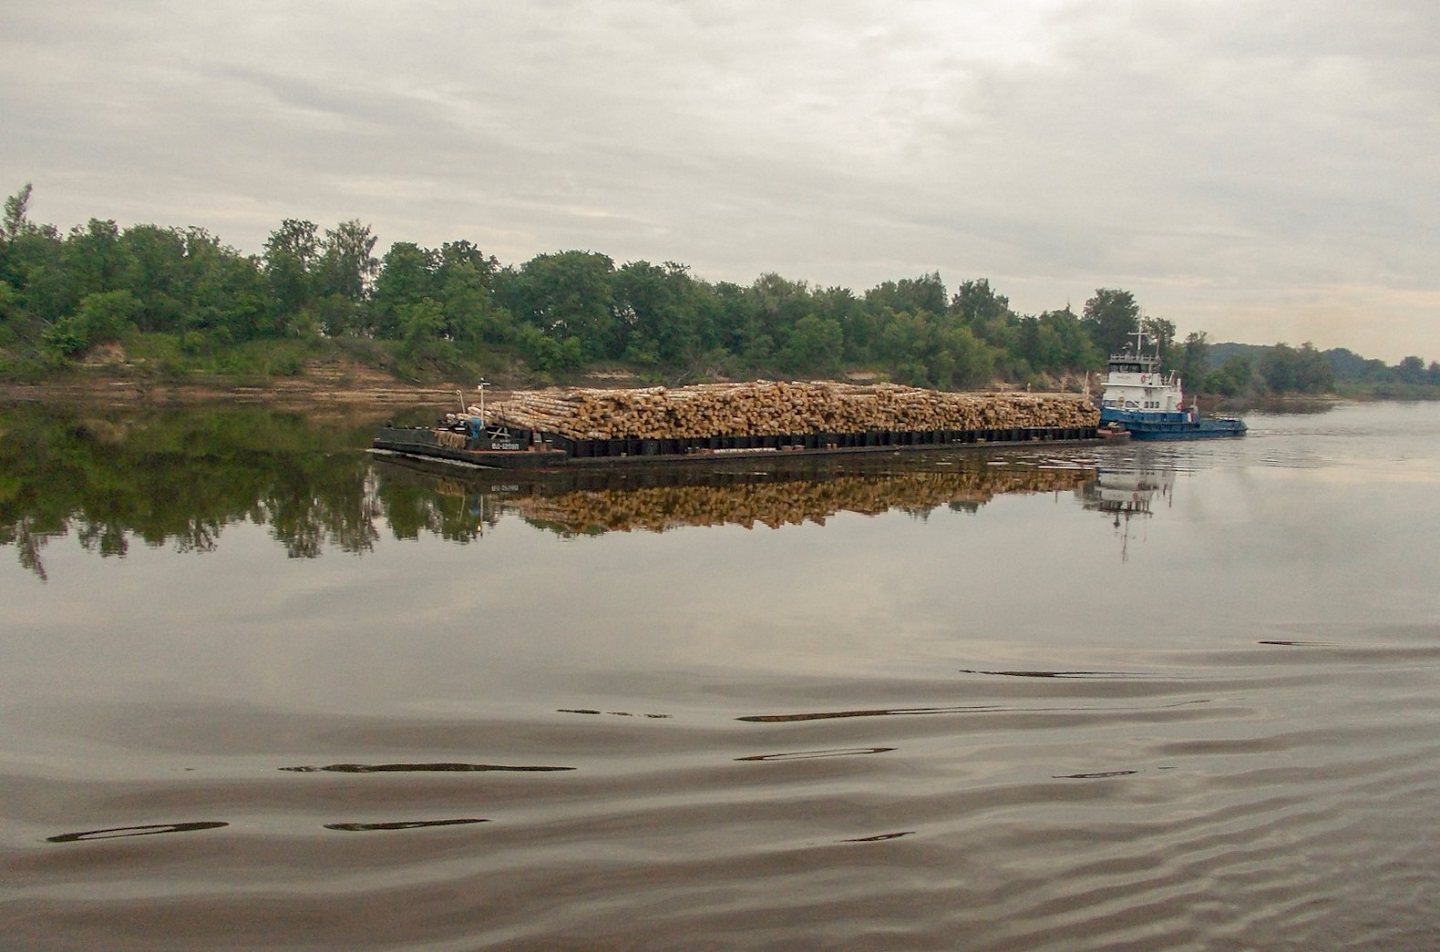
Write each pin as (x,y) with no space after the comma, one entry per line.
(925,293)
(347,264)
(463,254)
(776,305)
(814,346)
(159,276)
(292,256)
(660,309)
(1278,368)
(1231,378)
(858,320)
(987,315)
(101,318)
(1193,361)
(15,223)
(93,259)
(407,276)
(1313,373)
(569,295)
(1411,370)
(1111,317)
(1056,342)
(960,359)
(230,297)
(1162,333)
(471,314)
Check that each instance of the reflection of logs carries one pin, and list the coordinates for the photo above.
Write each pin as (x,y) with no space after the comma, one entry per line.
(773,504)
(768,408)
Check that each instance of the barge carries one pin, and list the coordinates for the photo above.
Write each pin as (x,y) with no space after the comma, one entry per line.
(567,428)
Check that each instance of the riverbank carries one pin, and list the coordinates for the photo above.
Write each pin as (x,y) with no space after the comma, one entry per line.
(352,384)
(319,384)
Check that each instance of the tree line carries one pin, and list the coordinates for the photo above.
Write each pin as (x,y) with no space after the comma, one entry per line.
(435,311)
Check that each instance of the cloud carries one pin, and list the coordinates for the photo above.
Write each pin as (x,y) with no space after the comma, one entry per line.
(1262,171)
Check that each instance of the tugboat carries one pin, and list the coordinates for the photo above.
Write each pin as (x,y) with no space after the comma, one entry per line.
(1149,403)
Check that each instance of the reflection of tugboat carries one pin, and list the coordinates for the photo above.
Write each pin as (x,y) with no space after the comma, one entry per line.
(1149,403)
(1126,493)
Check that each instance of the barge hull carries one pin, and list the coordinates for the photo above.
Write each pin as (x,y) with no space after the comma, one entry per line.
(547,450)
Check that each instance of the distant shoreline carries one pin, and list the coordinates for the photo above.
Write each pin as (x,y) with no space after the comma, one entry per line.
(359,387)
(300,391)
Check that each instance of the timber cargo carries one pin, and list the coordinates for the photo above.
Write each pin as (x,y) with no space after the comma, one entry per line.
(569,426)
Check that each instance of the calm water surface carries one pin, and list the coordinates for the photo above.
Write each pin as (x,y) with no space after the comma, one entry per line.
(258,690)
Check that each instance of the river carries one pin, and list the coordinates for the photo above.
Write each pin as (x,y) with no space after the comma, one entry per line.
(261,690)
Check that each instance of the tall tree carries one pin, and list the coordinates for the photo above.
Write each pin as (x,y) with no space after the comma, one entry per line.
(986,313)
(1312,371)
(815,346)
(158,276)
(925,293)
(347,264)
(292,256)
(1277,368)
(94,258)
(15,221)
(1111,317)
(1193,361)
(659,307)
(407,277)
(569,295)
(230,298)
(776,306)
(1055,342)
(343,277)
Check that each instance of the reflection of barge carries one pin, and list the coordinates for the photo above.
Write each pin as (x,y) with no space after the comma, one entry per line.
(781,490)
(746,421)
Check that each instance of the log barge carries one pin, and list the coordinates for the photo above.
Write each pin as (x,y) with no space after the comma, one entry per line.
(580,426)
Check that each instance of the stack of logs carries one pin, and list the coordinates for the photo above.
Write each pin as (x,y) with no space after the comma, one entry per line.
(769,408)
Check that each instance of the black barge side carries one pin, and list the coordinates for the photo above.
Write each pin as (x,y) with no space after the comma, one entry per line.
(527,449)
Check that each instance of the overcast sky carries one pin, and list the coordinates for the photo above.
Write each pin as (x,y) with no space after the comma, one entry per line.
(1262,170)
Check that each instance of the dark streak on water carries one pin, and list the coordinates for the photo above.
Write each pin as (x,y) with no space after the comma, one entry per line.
(149,830)
(817,754)
(404,825)
(422,768)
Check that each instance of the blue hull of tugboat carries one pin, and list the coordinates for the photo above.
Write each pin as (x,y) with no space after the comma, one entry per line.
(1171,426)
(1204,430)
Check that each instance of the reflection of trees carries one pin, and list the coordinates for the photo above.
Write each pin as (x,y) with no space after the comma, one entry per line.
(307,510)
(416,503)
(178,478)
